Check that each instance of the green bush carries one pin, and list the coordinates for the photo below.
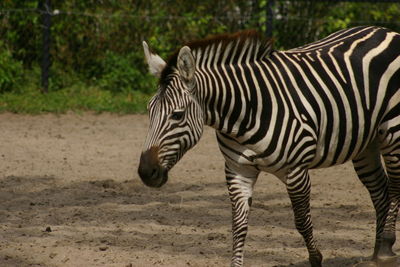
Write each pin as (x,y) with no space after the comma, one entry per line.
(62,77)
(119,73)
(11,70)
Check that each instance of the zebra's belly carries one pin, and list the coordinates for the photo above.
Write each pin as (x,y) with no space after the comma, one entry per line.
(280,173)
(334,154)
(283,168)
(314,156)
(309,152)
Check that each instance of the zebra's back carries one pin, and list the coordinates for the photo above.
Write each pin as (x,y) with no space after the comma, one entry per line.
(340,88)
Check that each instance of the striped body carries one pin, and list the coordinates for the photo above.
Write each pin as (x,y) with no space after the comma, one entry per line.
(315,106)
(285,112)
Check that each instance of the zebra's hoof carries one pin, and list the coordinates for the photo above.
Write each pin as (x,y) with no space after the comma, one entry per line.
(388,261)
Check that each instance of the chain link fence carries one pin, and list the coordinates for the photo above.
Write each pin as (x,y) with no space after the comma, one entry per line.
(300,22)
(55,44)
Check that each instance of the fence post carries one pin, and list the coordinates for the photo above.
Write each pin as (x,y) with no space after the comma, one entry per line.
(45,9)
(269,21)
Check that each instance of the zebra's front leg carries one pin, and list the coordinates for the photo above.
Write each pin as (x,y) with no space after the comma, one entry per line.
(299,187)
(240,182)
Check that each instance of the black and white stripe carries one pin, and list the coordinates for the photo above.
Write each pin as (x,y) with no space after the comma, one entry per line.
(286,112)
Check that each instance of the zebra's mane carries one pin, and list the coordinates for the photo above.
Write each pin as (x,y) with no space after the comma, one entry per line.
(257,47)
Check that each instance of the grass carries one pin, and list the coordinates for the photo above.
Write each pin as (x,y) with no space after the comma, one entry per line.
(74,98)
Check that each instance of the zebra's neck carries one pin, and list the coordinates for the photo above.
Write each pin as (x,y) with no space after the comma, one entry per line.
(227,84)
(230,96)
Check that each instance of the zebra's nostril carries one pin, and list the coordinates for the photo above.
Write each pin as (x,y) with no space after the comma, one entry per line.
(154,173)
(148,172)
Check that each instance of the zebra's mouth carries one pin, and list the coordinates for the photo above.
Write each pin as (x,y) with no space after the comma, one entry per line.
(156,177)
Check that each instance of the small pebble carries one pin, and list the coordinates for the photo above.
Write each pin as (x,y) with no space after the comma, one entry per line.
(103,248)
(52,255)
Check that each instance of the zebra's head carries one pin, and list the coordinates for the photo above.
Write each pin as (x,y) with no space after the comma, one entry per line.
(176,117)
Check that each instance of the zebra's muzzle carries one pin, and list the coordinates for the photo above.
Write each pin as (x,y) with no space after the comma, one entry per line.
(150,170)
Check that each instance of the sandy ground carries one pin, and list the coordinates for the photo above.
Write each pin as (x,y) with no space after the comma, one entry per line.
(70,196)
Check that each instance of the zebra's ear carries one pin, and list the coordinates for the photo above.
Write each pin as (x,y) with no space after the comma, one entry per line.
(155,62)
(186,65)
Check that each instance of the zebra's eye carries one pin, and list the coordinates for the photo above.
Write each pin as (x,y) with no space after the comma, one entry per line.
(177,115)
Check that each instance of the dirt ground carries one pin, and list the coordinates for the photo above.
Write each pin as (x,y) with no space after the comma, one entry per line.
(70,196)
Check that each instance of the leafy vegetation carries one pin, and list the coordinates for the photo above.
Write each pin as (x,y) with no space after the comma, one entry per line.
(96,46)
(10,70)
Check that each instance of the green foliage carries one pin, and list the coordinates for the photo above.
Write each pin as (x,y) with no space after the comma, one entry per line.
(10,71)
(60,77)
(117,73)
(301,22)
(96,46)
(20,29)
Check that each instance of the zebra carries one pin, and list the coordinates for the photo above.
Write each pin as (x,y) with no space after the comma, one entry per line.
(284,112)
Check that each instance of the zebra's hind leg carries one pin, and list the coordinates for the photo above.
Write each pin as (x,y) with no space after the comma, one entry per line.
(390,149)
(385,253)
(240,181)
(372,174)
(299,187)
